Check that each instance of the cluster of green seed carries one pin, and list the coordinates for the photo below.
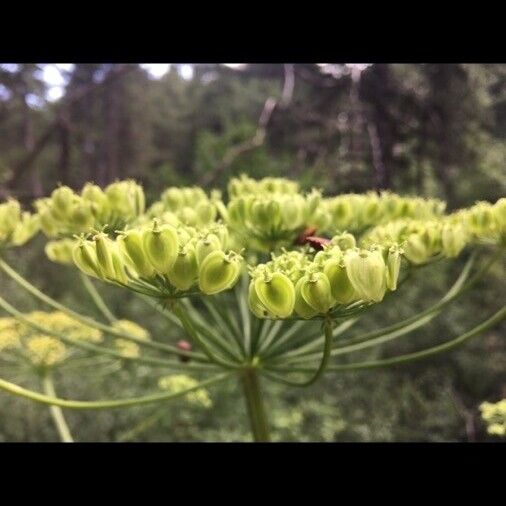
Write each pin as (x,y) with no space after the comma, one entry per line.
(66,213)
(267,221)
(179,257)
(421,241)
(188,205)
(16,226)
(357,212)
(307,284)
(483,221)
(244,185)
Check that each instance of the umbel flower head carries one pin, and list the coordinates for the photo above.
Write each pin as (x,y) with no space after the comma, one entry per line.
(66,213)
(16,227)
(305,284)
(162,260)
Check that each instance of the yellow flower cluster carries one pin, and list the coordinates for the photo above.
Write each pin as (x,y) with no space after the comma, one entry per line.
(61,323)
(130,349)
(177,382)
(45,350)
(9,335)
(41,349)
(494,415)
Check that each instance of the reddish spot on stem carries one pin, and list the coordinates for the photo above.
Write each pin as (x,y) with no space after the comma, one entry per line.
(184,346)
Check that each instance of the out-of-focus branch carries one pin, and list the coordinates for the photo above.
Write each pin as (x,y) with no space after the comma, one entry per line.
(263,122)
(26,163)
(466,414)
(377,155)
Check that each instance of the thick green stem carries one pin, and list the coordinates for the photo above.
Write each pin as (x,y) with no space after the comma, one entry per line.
(56,412)
(255,405)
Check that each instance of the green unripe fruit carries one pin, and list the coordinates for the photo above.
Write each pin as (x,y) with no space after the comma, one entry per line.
(25,229)
(453,239)
(60,251)
(367,273)
(218,272)
(94,193)
(341,213)
(188,216)
(119,265)
(10,214)
(341,288)
(255,304)
(207,245)
(277,293)
(292,211)
(139,198)
(206,212)
(416,250)
(131,244)
(344,241)
(184,272)
(499,209)
(125,198)
(317,292)
(372,211)
(85,257)
(104,257)
(174,199)
(82,218)
(393,267)
(183,236)
(313,201)
(320,219)
(161,244)
(265,214)
(62,198)
(237,212)
(222,233)
(301,307)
